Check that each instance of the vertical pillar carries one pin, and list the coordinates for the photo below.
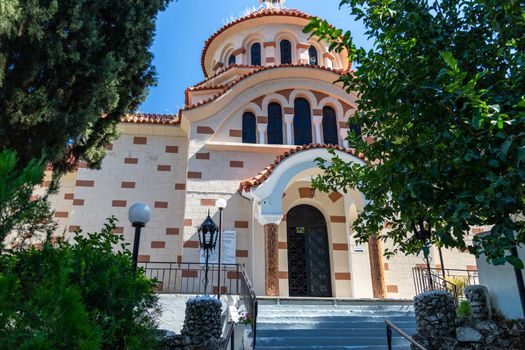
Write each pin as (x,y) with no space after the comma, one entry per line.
(377,267)
(271,242)
(317,120)
(288,120)
(261,128)
(343,134)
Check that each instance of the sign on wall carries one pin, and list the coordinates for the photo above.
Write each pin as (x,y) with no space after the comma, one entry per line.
(229,247)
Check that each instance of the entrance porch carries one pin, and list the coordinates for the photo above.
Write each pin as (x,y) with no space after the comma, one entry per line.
(301,240)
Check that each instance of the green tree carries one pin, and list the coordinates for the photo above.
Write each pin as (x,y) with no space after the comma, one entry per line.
(442,95)
(68,71)
(23,218)
(81,295)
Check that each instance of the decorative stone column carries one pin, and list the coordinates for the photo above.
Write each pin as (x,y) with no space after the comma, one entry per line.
(288,120)
(261,128)
(271,243)
(317,120)
(343,134)
(377,267)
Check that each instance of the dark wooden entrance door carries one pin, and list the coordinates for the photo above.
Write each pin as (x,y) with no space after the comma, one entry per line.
(308,254)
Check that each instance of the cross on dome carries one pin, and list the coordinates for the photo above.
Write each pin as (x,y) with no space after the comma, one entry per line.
(273,3)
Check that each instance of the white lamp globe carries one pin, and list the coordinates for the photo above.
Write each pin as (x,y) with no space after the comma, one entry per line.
(221,203)
(139,214)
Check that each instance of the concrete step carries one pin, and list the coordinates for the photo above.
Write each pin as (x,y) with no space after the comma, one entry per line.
(324,325)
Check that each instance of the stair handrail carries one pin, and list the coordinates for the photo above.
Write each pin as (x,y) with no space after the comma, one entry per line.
(390,326)
(249,298)
(435,282)
(230,337)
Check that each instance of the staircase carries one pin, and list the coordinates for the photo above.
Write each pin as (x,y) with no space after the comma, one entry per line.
(331,324)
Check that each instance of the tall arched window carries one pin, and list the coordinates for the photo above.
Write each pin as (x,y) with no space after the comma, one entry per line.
(330,126)
(231,60)
(356,129)
(255,53)
(302,122)
(286,51)
(248,128)
(275,124)
(312,53)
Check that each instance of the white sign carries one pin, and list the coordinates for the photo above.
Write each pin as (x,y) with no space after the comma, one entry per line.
(359,249)
(229,248)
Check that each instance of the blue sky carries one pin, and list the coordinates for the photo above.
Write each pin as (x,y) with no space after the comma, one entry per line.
(186,24)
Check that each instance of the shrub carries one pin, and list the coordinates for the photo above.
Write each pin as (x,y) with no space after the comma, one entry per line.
(76,296)
(463,309)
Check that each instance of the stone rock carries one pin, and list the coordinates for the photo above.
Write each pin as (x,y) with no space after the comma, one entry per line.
(468,335)
(435,318)
(479,299)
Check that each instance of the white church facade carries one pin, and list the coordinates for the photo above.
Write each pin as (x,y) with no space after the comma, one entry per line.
(249,133)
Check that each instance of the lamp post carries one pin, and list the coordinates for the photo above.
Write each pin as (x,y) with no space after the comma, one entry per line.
(207,240)
(139,215)
(221,204)
(423,232)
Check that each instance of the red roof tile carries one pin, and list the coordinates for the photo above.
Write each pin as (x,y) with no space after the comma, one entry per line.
(231,84)
(145,118)
(258,179)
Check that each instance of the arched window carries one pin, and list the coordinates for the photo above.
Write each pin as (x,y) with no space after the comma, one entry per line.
(286,51)
(312,53)
(356,129)
(302,122)
(255,53)
(330,126)
(275,124)
(231,60)
(248,128)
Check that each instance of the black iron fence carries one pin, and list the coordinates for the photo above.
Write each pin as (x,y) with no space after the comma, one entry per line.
(250,302)
(451,280)
(188,278)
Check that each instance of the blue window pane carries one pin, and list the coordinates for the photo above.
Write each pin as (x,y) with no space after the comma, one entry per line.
(256,54)
(330,126)
(302,122)
(286,52)
(312,52)
(248,128)
(275,124)
(231,60)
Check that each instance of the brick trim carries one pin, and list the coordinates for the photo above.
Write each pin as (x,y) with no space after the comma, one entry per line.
(343,276)
(119,203)
(163,167)
(172,231)
(158,244)
(241,224)
(392,289)
(61,214)
(337,219)
(131,160)
(127,184)
(236,164)
(143,258)
(161,205)
(85,183)
(69,196)
(202,156)
(235,133)
(194,175)
(78,202)
(191,244)
(140,140)
(283,275)
(335,196)
(340,246)
(180,187)
(206,130)
(282,245)
(172,149)
(241,253)
(206,202)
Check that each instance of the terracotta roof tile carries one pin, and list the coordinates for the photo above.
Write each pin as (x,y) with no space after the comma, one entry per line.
(262,176)
(231,84)
(146,118)
(256,14)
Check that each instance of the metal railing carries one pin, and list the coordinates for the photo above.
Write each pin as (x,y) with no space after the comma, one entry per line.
(425,280)
(188,278)
(230,337)
(390,326)
(249,299)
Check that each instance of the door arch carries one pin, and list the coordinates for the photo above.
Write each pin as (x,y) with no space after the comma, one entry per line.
(308,253)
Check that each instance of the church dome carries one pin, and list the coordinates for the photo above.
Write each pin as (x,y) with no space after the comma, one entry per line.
(266,37)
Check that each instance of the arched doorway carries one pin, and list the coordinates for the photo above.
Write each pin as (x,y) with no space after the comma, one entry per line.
(308,253)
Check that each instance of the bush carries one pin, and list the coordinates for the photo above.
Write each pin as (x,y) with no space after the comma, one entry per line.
(463,309)
(76,296)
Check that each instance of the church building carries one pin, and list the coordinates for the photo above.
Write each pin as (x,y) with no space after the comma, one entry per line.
(249,133)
